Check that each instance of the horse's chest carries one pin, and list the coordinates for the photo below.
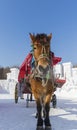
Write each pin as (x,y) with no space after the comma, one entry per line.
(42,90)
(39,89)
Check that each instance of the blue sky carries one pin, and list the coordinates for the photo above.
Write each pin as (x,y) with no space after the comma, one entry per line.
(18,18)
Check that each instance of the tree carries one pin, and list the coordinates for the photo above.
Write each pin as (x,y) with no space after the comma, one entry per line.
(3,72)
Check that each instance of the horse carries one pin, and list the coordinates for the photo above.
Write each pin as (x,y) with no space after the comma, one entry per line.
(41,78)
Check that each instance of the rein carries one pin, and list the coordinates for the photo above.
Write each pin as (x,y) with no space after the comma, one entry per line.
(43,56)
(37,76)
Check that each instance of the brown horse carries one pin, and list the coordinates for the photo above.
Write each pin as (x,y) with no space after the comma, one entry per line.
(41,78)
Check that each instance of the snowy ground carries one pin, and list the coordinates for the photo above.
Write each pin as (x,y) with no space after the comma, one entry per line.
(18,117)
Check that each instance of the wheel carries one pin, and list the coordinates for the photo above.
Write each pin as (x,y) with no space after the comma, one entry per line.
(16,95)
(54,101)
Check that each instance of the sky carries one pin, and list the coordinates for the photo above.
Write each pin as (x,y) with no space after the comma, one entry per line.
(18,18)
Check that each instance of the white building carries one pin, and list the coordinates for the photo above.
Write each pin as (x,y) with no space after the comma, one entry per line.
(10,82)
(74,72)
(67,69)
(74,75)
(13,75)
(58,70)
(64,70)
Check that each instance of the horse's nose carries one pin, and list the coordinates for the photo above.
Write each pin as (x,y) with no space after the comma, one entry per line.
(43,69)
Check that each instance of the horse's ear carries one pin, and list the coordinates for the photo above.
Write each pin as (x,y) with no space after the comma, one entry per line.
(50,36)
(32,36)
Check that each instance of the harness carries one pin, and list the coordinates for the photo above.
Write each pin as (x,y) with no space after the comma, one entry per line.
(35,73)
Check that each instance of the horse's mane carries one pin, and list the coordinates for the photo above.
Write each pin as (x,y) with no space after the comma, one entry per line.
(42,35)
(41,38)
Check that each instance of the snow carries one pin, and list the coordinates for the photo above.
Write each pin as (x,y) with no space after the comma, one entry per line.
(19,117)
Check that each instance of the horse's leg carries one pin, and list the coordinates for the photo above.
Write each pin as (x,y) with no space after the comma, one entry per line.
(39,117)
(47,109)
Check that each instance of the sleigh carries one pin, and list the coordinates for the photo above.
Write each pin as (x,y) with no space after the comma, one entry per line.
(60,82)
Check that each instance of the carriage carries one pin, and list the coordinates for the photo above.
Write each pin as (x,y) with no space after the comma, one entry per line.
(29,97)
(40,82)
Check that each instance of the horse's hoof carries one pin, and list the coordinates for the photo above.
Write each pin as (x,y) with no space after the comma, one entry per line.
(39,128)
(48,128)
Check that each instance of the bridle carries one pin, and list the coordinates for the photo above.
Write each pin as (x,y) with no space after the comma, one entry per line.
(35,74)
(43,54)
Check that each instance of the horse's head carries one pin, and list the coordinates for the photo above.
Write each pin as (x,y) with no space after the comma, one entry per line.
(41,47)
